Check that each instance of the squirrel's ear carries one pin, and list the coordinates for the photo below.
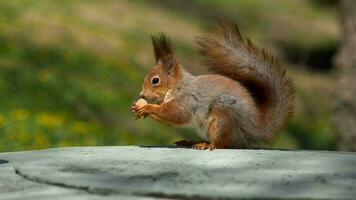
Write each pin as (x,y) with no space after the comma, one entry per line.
(169,64)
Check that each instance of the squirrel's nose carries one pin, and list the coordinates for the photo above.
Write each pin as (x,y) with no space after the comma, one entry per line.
(142,95)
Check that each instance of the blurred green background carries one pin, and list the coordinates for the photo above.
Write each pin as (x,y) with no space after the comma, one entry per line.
(69,70)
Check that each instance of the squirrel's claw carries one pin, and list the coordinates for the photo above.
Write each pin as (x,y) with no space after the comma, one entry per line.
(211,146)
(132,108)
(202,146)
(140,112)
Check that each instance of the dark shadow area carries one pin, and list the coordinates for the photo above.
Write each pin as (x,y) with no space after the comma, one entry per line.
(326,3)
(162,146)
(173,146)
(3,161)
(318,58)
(307,140)
(270,148)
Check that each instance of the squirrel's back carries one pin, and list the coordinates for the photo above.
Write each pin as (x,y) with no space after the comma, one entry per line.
(231,55)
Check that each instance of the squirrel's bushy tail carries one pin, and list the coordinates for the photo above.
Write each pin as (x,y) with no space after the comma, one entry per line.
(230,54)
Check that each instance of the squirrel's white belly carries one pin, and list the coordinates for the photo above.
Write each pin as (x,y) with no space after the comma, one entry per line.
(196,122)
(200,127)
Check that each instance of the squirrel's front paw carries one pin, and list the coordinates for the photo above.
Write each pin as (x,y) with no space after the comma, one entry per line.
(142,112)
(139,108)
(138,105)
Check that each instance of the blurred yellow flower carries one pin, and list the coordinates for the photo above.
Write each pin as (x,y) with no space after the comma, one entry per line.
(2,120)
(79,127)
(19,114)
(51,120)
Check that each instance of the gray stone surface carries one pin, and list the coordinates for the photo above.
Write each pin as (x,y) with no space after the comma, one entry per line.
(176,173)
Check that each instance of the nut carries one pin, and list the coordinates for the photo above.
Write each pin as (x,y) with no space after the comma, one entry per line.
(140,103)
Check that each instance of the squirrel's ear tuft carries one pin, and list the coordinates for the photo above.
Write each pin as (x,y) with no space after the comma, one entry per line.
(163,52)
(161,47)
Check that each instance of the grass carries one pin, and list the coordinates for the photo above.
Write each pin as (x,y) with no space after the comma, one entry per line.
(69,70)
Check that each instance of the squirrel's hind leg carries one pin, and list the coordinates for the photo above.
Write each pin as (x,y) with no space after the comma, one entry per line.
(224,129)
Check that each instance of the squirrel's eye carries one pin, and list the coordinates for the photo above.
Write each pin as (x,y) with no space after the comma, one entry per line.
(155,81)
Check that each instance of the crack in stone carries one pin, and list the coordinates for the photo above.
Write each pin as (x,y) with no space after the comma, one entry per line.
(83,188)
(3,161)
(107,192)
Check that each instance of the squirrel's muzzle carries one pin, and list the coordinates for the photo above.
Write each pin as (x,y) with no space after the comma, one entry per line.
(142,95)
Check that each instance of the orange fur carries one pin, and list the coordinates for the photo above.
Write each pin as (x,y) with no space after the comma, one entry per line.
(245,102)
(218,46)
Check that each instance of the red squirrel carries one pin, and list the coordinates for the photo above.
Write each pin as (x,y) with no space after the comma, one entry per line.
(242,104)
